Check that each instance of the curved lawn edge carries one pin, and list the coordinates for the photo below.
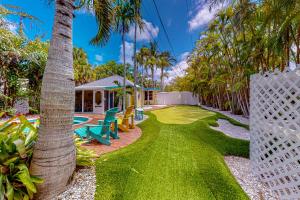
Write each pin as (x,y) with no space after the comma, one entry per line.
(231,120)
(125,174)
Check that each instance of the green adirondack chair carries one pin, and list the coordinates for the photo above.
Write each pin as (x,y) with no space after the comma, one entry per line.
(101,132)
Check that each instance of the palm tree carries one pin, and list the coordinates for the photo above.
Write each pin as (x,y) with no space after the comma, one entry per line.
(137,22)
(124,16)
(152,59)
(54,153)
(83,72)
(141,60)
(7,10)
(164,60)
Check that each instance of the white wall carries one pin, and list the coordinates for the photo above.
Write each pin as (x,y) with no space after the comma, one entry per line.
(177,98)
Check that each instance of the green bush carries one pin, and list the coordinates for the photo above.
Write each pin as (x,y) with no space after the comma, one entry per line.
(16,142)
(16,147)
(84,157)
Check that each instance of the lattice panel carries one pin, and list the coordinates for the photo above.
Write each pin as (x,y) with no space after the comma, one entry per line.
(275,131)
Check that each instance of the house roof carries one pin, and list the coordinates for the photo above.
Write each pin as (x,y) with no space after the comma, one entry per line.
(108,83)
(151,89)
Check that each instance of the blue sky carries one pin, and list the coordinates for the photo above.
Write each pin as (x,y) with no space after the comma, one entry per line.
(183,20)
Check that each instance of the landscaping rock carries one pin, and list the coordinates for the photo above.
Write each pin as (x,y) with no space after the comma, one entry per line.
(241,169)
(83,186)
(21,106)
(231,130)
(238,118)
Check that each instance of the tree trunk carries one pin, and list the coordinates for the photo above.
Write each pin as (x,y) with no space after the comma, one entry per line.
(54,155)
(142,85)
(135,67)
(298,47)
(124,72)
(162,79)
(152,75)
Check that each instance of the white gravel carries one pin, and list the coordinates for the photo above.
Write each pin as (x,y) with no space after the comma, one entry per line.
(238,118)
(241,169)
(83,186)
(231,130)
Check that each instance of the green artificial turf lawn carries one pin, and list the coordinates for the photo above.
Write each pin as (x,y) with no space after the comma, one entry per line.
(181,114)
(183,161)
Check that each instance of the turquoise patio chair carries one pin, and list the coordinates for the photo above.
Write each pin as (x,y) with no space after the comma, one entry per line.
(113,121)
(101,132)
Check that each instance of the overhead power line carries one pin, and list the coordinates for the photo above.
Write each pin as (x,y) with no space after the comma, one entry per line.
(175,70)
(163,26)
(166,34)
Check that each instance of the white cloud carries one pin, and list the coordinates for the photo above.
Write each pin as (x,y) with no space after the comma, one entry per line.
(184,55)
(99,58)
(203,16)
(179,68)
(128,53)
(11,26)
(149,31)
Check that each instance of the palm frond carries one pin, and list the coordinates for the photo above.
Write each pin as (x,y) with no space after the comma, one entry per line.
(103,15)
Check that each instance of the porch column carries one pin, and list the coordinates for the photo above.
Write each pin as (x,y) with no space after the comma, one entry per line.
(93,100)
(109,99)
(113,98)
(82,101)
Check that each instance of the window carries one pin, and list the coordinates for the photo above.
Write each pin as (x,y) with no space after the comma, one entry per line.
(98,98)
(148,95)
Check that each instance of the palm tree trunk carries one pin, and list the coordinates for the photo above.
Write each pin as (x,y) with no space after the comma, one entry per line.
(135,67)
(152,75)
(162,79)
(142,85)
(124,72)
(54,153)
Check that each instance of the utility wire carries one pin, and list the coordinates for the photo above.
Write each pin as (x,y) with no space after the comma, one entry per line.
(163,26)
(174,69)
(166,34)
(148,30)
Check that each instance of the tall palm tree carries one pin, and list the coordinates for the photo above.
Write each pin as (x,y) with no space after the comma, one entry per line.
(164,60)
(137,22)
(123,17)
(152,59)
(141,60)
(83,72)
(54,153)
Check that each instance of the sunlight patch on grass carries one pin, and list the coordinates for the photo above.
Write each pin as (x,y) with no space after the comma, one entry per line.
(181,114)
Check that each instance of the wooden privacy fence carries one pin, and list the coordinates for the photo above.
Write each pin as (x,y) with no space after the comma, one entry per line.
(275,131)
(177,98)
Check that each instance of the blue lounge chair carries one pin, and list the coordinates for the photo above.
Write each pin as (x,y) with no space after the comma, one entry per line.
(101,132)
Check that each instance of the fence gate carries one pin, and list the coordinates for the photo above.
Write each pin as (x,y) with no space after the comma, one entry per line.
(275,131)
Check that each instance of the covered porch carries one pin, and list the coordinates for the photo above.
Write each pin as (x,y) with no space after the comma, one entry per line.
(101,95)
(95,101)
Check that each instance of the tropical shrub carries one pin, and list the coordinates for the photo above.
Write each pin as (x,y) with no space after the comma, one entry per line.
(16,142)
(84,157)
(16,146)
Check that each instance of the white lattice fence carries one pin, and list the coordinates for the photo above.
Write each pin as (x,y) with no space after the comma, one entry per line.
(275,131)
